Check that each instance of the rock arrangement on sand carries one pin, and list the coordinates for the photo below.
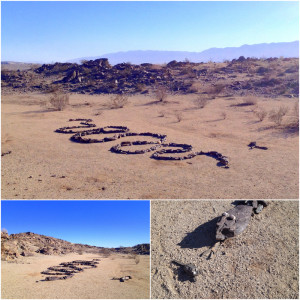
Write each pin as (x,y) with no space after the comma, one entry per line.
(69,129)
(5,153)
(123,131)
(67,270)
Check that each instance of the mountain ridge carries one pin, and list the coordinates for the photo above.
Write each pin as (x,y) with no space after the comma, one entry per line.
(285,49)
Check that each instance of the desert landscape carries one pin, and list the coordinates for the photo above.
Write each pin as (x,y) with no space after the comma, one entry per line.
(216,109)
(260,263)
(76,271)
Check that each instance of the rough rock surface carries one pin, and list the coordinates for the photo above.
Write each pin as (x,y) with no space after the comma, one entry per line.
(267,77)
(14,246)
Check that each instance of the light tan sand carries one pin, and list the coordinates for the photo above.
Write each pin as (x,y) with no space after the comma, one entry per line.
(19,279)
(40,157)
(262,262)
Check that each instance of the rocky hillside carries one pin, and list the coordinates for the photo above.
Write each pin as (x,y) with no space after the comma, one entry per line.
(270,77)
(28,244)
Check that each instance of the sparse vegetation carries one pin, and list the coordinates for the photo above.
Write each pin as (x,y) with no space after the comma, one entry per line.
(276,115)
(178,115)
(59,101)
(250,100)
(161,114)
(105,252)
(215,90)
(136,259)
(161,93)
(223,115)
(295,117)
(260,114)
(118,101)
(201,101)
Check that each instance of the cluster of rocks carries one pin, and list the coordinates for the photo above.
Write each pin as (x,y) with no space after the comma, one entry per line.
(67,270)
(140,249)
(70,129)
(123,131)
(99,77)
(180,148)
(79,137)
(15,246)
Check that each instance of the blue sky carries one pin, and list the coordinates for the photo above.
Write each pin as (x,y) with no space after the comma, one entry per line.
(58,31)
(97,223)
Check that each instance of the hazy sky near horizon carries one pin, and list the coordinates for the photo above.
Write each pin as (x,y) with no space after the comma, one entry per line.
(46,31)
(97,223)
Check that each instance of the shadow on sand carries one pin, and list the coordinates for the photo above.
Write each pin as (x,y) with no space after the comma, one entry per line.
(202,236)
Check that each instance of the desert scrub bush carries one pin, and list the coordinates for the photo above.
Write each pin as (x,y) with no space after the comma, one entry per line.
(178,115)
(201,101)
(59,101)
(276,115)
(161,93)
(260,114)
(250,100)
(223,115)
(104,252)
(215,90)
(140,87)
(161,113)
(193,88)
(137,259)
(118,101)
(295,116)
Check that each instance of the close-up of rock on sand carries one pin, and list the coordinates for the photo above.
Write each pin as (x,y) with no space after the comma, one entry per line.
(262,262)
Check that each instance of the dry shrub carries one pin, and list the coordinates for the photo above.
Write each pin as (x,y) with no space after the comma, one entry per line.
(137,259)
(161,114)
(118,101)
(223,115)
(105,252)
(201,101)
(134,256)
(276,115)
(260,114)
(178,115)
(250,100)
(161,93)
(295,116)
(215,90)
(59,101)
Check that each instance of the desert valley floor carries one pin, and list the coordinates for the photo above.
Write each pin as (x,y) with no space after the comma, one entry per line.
(44,164)
(22,280)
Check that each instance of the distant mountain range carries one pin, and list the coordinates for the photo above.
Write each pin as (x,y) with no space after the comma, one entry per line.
(285,49)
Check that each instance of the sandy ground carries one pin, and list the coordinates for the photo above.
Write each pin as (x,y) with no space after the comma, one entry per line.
(19,280)
(262,262)
(47,165)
